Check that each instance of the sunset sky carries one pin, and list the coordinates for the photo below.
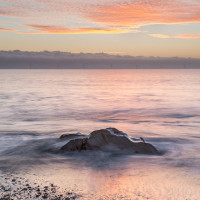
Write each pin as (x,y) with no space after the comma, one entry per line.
(135,27)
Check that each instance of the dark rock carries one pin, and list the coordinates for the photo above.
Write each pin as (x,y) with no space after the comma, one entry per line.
(111,140)
(116,131)
(45,196)
(69,193)
(71,136)
(75,145)
(6,197)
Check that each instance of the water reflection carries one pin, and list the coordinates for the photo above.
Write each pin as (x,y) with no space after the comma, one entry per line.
(38,106)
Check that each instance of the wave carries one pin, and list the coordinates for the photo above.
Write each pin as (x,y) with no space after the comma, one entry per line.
(35,149)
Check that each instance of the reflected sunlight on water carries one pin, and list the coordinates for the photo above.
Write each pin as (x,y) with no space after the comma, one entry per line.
(37,106)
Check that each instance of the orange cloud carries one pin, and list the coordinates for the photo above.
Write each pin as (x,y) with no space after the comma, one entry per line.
(42,29)
(160,35)
(152,11)
(124,12)
(189,36)
(58,14)
(181,36)
(7,29)
(66,30)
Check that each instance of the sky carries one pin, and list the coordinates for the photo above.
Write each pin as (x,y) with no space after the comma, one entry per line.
(163,28)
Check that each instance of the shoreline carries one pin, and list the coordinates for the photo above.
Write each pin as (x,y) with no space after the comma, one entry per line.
(14,186)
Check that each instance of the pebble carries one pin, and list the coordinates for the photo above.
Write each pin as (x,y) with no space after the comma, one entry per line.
(26,190)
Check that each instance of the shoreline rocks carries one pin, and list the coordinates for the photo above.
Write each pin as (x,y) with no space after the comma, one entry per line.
(108,140)
(13,187)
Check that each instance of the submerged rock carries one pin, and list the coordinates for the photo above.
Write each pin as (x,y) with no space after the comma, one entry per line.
(71,136)
(111,140)
(76,145)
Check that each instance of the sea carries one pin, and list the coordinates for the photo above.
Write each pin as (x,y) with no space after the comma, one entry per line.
(160,105)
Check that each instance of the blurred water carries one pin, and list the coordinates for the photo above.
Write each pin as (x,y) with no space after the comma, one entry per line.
(163,106)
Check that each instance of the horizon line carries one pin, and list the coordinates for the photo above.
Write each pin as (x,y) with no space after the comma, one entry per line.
(93,53)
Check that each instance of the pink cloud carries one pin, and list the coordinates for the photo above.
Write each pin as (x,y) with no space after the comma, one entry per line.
(117,13)
(114,13)
(180,36)
(189,36)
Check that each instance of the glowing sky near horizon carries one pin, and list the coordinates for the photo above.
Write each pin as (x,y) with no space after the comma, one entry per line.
(135,27)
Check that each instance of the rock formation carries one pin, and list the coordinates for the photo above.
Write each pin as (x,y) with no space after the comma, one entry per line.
(110,139)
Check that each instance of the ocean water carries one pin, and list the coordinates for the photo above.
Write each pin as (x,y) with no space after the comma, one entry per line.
(162,106)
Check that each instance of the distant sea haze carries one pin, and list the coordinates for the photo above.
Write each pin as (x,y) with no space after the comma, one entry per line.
(66,60)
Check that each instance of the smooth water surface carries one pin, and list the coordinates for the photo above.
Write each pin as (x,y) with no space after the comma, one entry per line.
(163,106)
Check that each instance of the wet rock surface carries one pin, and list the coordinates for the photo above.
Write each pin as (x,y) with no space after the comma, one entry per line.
(71,136)
(111,140)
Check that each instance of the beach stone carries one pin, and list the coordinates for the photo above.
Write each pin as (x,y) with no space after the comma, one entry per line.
(109,140)
(71,136)
(75,145)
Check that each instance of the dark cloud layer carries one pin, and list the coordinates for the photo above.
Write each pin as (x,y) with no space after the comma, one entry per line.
(66,60)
